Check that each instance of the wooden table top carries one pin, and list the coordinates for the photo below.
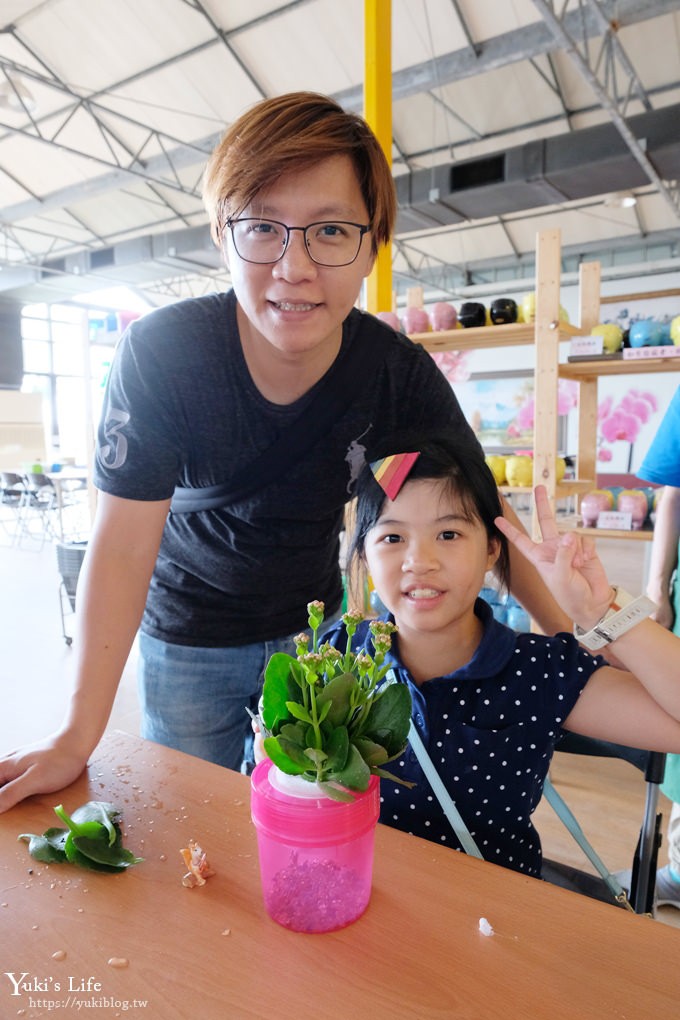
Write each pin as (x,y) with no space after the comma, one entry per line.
(212,953)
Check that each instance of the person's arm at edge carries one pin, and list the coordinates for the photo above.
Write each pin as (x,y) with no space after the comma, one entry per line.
(529,589)
(112,590)
(664,553)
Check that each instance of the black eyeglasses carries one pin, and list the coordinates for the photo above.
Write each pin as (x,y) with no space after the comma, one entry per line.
(329,242)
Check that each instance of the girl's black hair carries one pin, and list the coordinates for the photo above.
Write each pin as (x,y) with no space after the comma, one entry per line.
(460,463)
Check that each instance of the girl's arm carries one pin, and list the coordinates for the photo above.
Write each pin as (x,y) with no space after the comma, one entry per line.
(639,705)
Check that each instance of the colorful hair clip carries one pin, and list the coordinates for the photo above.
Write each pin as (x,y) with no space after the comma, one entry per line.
(391,472)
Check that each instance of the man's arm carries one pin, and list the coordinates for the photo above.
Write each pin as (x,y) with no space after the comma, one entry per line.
(112,590)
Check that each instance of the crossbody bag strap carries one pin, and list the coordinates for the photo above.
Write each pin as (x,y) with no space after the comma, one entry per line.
(334,396)
(445,799)
(567,817)
(442,794)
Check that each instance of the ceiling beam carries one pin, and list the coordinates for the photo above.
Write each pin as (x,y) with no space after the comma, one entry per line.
(609,102)
(523,44)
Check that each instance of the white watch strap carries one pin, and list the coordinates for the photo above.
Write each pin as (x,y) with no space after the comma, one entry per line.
(624,613)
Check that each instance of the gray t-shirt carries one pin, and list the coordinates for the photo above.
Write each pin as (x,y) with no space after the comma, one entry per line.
(181,409)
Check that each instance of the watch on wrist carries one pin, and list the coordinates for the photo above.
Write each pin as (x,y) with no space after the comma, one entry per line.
(625,611)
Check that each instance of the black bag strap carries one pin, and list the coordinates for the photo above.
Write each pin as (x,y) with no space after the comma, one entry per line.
(326,407)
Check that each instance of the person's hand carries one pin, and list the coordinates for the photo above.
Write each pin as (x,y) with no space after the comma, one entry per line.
(568,564)
(42,767)
(663,614)
(259,753)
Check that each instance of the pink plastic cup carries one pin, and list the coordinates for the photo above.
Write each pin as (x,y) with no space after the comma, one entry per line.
(316,854)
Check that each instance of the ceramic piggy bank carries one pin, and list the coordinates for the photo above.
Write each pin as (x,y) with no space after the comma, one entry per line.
(392,319)
(503,310)
(634,502)
(416,320)
(519,469)
(675,330)
(443,316)
(612,336)
(497,464)
(646,333)
(593,504)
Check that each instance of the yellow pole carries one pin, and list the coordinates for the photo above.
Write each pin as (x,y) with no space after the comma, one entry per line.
(378,113)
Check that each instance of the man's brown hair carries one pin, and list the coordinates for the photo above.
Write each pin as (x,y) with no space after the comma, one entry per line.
(292,132)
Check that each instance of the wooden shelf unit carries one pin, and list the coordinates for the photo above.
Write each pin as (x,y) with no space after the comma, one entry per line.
(546,334)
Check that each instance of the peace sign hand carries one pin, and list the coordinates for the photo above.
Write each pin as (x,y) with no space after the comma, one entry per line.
(568,564)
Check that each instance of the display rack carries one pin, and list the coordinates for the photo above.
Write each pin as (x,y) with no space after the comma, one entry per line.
(545,334)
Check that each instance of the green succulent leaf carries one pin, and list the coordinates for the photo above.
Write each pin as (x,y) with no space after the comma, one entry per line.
(338,749)
(337,693)
(48,848)
(384,774)
(93,840)
(336,792)
(285,762)
(114,855)
(98,811)
(298,711)
(389,719)
(372,753)
(280,687)
(356,773)
(296,733)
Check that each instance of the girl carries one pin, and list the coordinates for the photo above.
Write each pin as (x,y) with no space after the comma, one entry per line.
(490,704)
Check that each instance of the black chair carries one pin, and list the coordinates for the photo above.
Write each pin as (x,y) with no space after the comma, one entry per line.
(39,508)
(69,561)
(643,877)
(13,499)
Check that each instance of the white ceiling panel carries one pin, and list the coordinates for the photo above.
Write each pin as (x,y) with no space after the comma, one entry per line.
(124,100)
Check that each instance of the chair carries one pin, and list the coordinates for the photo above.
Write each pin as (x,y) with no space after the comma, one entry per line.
(652,764)
(69,561)
(13,499)
(39,507)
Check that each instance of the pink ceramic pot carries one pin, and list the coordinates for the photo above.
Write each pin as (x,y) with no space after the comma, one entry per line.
(392,319)
(634,502)
(443,316)
(416,320)
(593,504)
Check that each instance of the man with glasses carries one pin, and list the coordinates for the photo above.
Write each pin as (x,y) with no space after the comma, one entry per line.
(300,198)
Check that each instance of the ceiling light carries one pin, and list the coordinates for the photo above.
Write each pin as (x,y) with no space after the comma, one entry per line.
(15,95)
(621,200)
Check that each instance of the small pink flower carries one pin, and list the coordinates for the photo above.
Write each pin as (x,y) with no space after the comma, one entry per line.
(605,408)
(452,364)
(567,395)
(620,425)
(636,406)
(604,454)
(651,400)
(525,415)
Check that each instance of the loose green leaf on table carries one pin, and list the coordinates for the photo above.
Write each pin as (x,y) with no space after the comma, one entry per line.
(92,840)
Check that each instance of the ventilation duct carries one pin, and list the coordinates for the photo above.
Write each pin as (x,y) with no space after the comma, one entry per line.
(593,161)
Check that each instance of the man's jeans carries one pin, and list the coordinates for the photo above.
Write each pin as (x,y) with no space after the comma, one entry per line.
(195,699)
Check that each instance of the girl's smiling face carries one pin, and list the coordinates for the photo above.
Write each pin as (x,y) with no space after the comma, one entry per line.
(427,558)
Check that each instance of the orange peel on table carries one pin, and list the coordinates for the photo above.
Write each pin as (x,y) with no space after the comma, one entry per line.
(196,861)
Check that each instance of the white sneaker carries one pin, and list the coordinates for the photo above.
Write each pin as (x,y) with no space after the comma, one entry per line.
(666,889)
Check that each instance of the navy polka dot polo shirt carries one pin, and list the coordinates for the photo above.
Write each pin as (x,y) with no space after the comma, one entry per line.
(490,729)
